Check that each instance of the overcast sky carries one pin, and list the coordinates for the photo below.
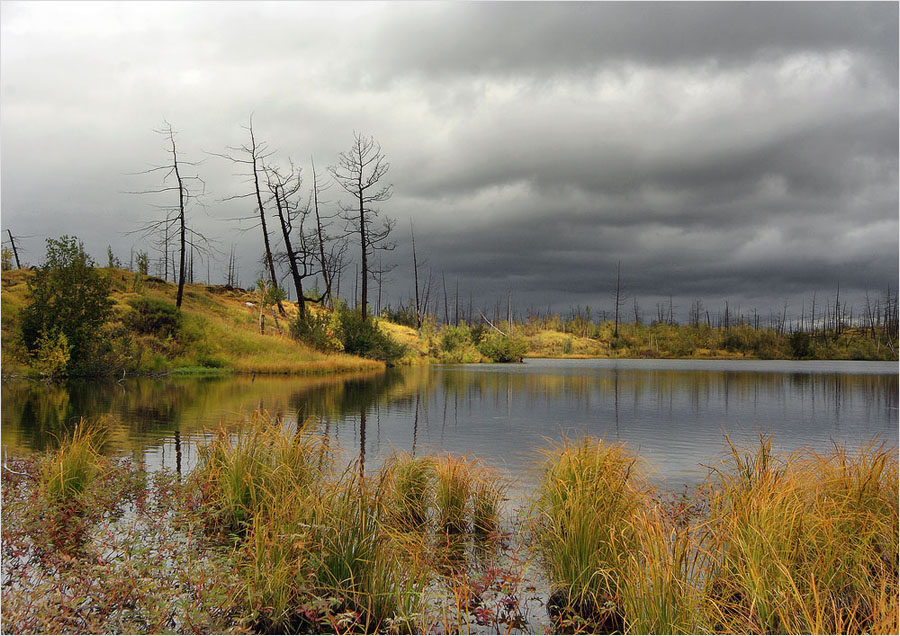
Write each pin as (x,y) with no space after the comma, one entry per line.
(746,152)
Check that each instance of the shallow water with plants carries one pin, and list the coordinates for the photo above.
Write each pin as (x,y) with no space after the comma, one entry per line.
(564,496)
(272,533)
(674,413)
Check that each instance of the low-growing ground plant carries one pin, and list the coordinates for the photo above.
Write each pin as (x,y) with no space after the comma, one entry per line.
(316,329)
(487,494)
(452,492)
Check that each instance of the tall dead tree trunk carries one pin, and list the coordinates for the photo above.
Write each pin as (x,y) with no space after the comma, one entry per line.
(181,224)
(262,213)
(359,172)
(12,242)
(254,157)
(323,263)
(618,297)
(175,221)
(416,276)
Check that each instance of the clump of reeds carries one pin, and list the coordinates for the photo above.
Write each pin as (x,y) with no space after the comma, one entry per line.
(804,543)
(451,493)
(586,528)
(660,588)
(487,493)
(408,490)
(454,486)
(314,551)
(65,474)
(240,474)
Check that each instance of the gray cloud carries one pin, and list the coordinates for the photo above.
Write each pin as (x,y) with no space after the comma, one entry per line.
(745,151)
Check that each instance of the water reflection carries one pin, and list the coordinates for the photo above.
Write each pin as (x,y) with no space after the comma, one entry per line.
(676,415)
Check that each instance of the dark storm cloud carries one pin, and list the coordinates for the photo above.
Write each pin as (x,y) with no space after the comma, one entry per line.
(743,151)
(548,38)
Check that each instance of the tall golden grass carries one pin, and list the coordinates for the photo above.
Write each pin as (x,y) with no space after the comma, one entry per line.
(800,543)
(65,474)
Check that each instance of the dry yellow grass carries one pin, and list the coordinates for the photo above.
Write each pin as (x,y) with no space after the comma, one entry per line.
(220,331)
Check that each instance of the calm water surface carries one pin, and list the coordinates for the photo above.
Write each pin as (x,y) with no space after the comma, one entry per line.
(675,413)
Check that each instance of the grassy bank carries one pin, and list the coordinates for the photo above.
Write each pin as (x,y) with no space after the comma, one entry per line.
(268,534)
(568,339)
(218,332)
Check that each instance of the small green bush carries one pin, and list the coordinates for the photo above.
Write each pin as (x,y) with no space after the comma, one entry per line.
(154,317)
(454,337)
(801,345)
(477,332)
(734,342)
(313,330)
(500,348)
(362,337)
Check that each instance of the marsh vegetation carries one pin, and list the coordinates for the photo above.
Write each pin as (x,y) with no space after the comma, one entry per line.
(271,534)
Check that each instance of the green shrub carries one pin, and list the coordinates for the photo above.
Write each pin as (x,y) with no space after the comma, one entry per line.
(314,330)
(476,333)
(154,317)
(453,345)
(500,348)
(766,345)
(801,345)
(454,337)
(69,296)
(734,342)
(362,337)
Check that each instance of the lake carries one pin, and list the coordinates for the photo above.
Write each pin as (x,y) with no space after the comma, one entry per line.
(674,413)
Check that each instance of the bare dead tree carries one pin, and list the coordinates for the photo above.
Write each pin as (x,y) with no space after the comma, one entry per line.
(695,312)
(12,242)
(321,238)
(253,157)
(231,275)
(456,312)
(427,292)
(620,299)
(416,276)
(175,217)
(359,172)
(284,188)
(446,306)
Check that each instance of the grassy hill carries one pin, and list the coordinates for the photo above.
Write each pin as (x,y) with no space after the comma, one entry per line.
(219,332)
